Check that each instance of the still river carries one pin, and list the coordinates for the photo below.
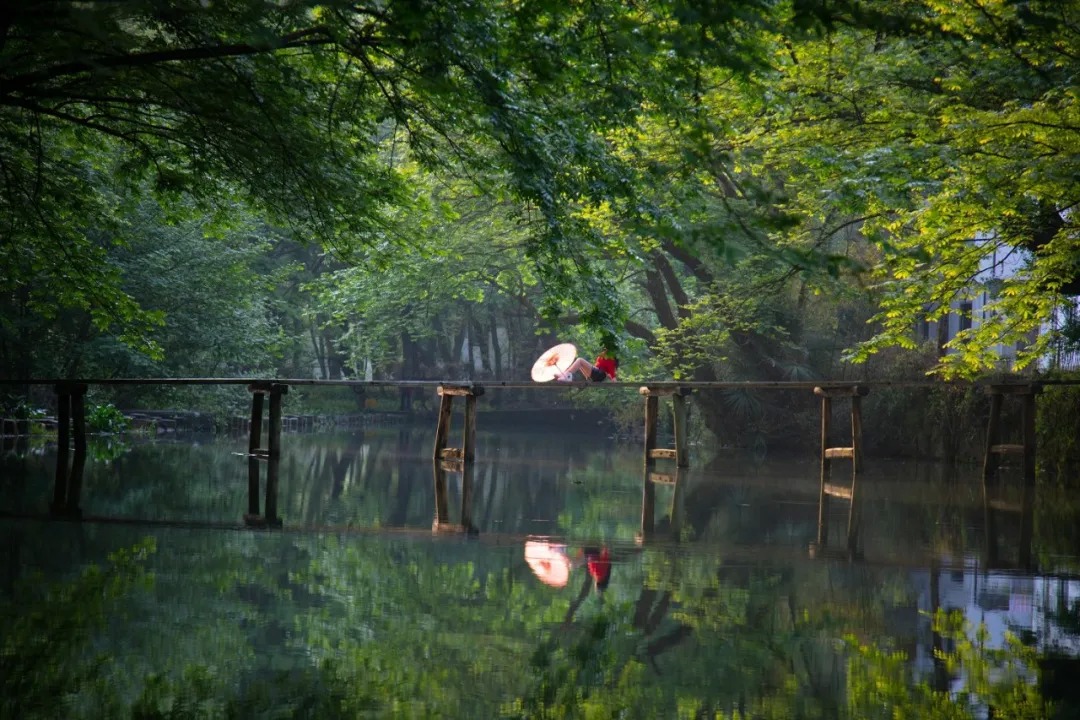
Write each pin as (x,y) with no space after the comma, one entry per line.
(582,587)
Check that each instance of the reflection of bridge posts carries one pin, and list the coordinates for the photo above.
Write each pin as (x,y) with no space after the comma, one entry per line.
(679,453)
(271,454)
(993,506)
(676,512)
(71,416)
(828,454)
(447,393)
(441,523)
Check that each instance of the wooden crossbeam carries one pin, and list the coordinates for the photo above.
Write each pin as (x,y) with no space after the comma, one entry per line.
(840,453)
(838,491)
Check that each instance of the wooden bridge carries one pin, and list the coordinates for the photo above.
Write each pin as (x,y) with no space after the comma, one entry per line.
(268,394)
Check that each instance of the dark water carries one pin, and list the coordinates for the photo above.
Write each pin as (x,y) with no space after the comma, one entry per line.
(162,603)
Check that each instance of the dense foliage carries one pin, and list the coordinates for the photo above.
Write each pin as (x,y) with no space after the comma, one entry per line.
(722,190)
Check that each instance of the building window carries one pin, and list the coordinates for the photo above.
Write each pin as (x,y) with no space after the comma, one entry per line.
(923,329)
(965,315)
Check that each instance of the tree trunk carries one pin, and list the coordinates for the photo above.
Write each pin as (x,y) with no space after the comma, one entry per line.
(662,285)
(496,351)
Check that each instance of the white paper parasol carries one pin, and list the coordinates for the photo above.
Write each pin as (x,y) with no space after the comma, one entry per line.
(554,362)
(549,562)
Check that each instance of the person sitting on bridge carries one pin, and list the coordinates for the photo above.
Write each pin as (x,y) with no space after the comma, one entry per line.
(605,367)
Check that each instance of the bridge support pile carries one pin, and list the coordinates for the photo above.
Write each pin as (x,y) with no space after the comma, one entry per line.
(852,452)
(271,454)
(70,418)
(993,504)
(678,453)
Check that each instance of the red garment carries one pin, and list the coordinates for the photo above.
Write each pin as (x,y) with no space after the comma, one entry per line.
(599,565)
(608,364)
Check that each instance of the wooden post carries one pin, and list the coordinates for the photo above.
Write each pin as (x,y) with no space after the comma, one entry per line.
(648,509)
(993,429)
(442,429)
(1028,493)
(442,513)
(823,497)
(253,489)
(679,411)
(273,447)
(442,522)
(651,408)
(1029,436)
(273,439)
(856,462)
(254,444)
(467,497)
(469,440)
(270,512)
(78,461)
(990,463)
(678,504)
(63,439)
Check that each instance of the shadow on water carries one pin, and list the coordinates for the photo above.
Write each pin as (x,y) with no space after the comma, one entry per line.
(552,577)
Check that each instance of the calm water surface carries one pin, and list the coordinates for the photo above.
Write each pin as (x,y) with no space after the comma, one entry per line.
(561,580)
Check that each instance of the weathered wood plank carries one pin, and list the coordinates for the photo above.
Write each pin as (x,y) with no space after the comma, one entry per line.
(663,391)
(461,390)
(839,452)
(838,491)
(1008,449)
(663,454)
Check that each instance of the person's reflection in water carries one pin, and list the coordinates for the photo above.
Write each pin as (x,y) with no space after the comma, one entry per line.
(548,561)
(552,563)
(598,563)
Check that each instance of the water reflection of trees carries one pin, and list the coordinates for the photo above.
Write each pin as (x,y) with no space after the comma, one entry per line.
(342,625)
(325,626)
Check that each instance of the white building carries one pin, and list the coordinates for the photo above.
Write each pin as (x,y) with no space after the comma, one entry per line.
(971,310)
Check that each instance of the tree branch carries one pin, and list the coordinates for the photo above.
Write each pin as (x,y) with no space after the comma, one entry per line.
(314,36)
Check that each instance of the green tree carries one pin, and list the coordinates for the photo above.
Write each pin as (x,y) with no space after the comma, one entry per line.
(284,107)
(946,132)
